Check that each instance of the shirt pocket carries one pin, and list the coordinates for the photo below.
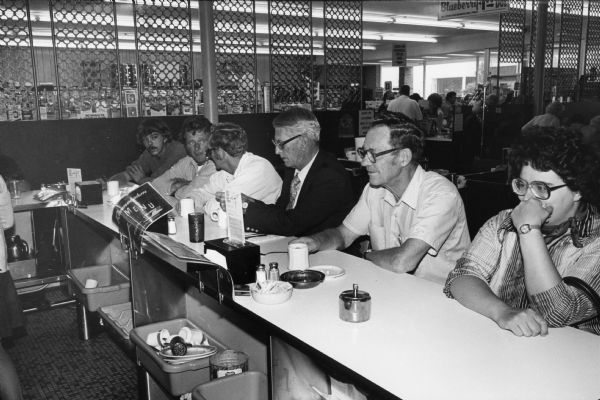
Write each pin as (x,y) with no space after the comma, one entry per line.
(377,236)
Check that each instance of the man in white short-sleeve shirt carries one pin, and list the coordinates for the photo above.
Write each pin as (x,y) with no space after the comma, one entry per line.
(415,219)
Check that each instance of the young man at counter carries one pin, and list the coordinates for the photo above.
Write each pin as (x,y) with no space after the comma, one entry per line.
(316,191)
(513,272)
(195,169)
(405,105)
(415,218)
(237,170)
(159,155)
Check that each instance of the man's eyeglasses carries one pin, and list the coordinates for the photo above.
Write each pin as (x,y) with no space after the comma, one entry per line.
(280,145)
(539,189)
(371,155)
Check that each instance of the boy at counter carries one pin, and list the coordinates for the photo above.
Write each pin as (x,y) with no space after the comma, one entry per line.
(415,218)
(237,170)
(195,169)
(159,154)
(513,272)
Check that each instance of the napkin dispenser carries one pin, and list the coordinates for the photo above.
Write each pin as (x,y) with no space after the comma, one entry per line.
(88,192)
(242,260)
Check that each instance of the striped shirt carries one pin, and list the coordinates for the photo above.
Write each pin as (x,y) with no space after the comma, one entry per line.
(495,257)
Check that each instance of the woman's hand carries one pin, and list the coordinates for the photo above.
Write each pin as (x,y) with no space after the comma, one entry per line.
(531,211)
(525,322)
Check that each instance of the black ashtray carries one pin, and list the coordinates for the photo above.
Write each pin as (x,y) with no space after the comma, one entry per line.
(303,279)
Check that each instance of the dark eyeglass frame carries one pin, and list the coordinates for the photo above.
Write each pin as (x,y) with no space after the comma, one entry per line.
(372,156)
(281,145)
(532,185)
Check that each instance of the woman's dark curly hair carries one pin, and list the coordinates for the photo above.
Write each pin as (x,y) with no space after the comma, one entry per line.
(561,151)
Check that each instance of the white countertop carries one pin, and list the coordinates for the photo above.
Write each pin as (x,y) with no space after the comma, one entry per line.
(418,344)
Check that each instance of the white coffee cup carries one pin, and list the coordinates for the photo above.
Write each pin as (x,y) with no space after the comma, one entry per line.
(186,206)
(359,142)
(91,283)
(112,188)
(298,253)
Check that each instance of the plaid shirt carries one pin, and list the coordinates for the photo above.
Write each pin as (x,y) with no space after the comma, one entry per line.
(495,257)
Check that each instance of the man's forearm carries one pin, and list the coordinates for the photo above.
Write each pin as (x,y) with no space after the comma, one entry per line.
(329,239)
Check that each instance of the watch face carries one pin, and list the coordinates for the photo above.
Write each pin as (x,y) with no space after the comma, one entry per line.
(524,228)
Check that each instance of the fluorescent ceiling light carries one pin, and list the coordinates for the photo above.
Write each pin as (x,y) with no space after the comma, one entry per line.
(428,21)
(414,59)
(435,57)
(460,55)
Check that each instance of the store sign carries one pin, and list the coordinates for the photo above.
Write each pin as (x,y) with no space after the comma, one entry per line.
(399,55)
(462,8)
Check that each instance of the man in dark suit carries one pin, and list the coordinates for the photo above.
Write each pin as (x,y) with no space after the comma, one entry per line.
(316,192)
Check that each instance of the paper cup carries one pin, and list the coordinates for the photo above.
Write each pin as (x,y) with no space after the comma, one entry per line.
(298,253)
(112,188)
(186,206)
(359,142)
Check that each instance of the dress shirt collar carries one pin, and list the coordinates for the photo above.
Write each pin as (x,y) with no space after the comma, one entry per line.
(410,197)
(304,171)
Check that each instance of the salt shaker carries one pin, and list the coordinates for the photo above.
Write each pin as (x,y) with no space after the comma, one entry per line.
(261,274)
(171,227)
(273,271)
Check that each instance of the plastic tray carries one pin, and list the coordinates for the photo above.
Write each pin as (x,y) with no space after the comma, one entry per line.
(177,379)
(113,286)
(251,385)
(119,317)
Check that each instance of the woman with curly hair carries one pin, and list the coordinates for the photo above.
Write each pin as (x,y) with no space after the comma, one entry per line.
(513,272)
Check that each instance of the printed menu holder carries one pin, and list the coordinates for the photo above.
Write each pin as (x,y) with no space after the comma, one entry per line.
(135,212)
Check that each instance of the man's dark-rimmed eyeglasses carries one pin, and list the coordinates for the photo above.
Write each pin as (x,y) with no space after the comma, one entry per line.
(280,144)
(371,155)
(540,190)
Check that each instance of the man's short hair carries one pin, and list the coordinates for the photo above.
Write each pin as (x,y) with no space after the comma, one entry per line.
(301,120)
(405,90)
(404,135)
(230,137)
(435,99)
(151,125)
(195,123)
(450,95)
(562,151)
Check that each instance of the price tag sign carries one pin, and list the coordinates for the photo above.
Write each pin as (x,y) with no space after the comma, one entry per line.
(73,176)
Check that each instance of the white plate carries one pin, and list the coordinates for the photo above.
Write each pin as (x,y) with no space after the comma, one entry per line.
(193,353)
(330,271)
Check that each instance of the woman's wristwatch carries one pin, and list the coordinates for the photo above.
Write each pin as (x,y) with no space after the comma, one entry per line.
(364,254)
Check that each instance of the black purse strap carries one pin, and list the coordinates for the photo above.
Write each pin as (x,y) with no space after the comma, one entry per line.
(588,291)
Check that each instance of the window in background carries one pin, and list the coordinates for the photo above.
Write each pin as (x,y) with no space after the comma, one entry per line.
(444,76)
(389,74)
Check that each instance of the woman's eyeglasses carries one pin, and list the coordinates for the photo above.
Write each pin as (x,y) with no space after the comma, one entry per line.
(371,155)
(539,189)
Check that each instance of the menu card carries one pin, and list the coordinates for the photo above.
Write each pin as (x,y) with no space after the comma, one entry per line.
(139,209)
(235,218)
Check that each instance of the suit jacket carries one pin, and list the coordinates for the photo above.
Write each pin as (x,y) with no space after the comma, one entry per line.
(324,200)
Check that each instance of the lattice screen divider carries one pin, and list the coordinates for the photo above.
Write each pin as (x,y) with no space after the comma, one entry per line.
(571,21)
(291,45)
(17,64)
(548,51)
(343,52)
(591,88)
(163,39)
(511,40)
(235,55)
(85,47)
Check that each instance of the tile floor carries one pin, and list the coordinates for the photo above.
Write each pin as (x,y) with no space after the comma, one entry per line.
(54,364)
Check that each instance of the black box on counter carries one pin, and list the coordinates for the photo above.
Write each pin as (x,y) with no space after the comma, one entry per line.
(89,192)
(242,260)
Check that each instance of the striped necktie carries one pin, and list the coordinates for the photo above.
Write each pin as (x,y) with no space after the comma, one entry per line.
(294,189)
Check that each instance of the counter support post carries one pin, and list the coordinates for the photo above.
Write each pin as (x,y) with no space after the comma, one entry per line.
(209,73)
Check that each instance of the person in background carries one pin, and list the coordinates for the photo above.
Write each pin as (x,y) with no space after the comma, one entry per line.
(160,153)
(387,96)
(448,105)
(237,170)
(435,112)
(405,105)
(195,169)
(551,118)
(316,192)
(415,218)
(513,272)
(11,314)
